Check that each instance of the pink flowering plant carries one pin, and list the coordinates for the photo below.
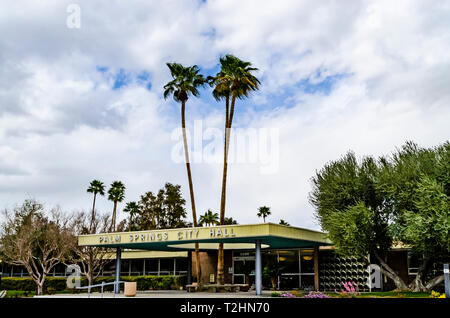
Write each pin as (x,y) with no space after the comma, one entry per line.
(288,295)
(313,294)
(350,290)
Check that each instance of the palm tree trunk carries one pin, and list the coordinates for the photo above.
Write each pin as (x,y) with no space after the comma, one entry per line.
(113,221)
(191,188)
(129,223)
(93,214)
(228,122)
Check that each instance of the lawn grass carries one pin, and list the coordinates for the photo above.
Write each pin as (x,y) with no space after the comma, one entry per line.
(389,294)
(398,294)
(19,294)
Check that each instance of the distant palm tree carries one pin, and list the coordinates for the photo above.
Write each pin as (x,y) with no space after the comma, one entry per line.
(133,209)
(95,187)
(116,193)
(283,222)
(264,212)
(230,221)
(209,218)
(234,81)
(186,81)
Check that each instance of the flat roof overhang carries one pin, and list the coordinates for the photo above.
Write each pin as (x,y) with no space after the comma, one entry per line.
(272,236)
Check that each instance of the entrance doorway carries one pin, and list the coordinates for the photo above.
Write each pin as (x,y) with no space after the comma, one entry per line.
(243,268)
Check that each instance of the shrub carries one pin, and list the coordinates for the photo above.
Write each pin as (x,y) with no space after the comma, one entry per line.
(288,295)
(13,283)
(54,284)
(350,290)
(318,294)
(435,294)
(275,294)
(294,292)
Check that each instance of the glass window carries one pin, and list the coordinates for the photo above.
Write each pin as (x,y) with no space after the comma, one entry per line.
(307,282)
(244,267)
(151,266)
(125,267)
(289,261)
(307,261)
(166,267)
(182,264)
(289,281)
(413,263)
(137,266)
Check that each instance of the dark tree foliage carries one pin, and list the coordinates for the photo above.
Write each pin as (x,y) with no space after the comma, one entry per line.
(164,210)
(369,205)
(229,221)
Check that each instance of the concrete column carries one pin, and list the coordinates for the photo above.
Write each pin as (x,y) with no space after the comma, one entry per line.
(189,268)
(258,269)
(118,261)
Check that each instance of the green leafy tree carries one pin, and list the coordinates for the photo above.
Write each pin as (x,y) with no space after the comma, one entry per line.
(186,81)
(95,187)
(352,211)
(263,212)
(174,205)
(416,181)
(283,222)
(366,207)
(116,193)
(234,81)
(428,230)
(209,218)
(162,211)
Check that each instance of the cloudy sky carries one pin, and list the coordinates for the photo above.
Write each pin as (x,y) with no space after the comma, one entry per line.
(86,103)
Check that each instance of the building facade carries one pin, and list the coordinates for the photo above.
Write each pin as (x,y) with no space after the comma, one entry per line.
(291,258)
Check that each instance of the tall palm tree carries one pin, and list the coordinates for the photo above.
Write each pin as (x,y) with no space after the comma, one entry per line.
(95,187)
(186,81)
(209,218)
(116,193)
(264,212)
(234,81)
(133,209)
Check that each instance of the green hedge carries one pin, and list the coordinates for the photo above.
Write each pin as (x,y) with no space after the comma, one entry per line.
(53,284)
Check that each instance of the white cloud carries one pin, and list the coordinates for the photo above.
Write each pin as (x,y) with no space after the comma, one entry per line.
(61,124)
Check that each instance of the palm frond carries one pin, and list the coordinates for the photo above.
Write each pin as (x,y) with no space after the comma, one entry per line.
(186,81)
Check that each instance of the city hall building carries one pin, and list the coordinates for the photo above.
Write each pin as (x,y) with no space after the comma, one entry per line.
(305,259)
